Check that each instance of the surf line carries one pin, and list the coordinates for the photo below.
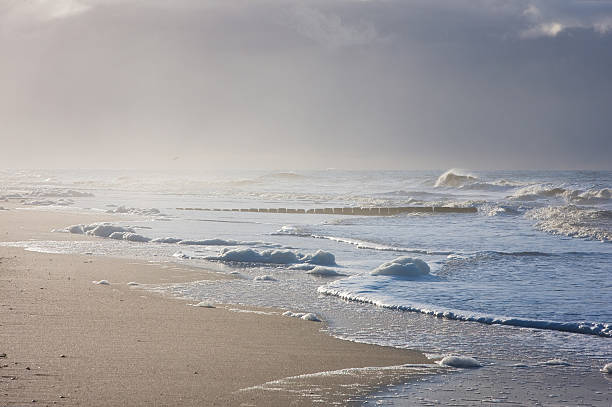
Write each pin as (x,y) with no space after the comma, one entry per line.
(388,211)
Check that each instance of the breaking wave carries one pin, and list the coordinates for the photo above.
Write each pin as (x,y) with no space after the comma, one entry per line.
(574,221)
(571,196)
(454,178)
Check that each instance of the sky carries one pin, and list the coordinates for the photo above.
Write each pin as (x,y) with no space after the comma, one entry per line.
(271,84)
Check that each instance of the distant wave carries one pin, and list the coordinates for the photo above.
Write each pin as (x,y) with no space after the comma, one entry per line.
(283,175)
(454,178)
(571,196)
(458,179)
(574,221)
(590,328)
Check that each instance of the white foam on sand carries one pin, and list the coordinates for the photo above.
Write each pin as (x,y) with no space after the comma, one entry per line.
(101,229)
(306,316)
(129,236)
(203,304)
(264,278)
(101,282)
(272,256)
(460,362)
(166,240)
(253,256)
(49,202)
(136,211)
(303,266)
(406,267)
(321,271)
(321,258)
(211,242)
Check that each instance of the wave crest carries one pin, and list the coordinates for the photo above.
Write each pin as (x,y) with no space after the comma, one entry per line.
(454,178)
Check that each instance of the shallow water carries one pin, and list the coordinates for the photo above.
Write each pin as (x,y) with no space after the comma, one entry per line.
(536,255)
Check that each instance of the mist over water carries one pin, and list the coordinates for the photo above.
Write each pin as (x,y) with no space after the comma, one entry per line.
(144,108)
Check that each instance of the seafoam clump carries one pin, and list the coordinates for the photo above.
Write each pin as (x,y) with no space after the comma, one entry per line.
(306,316)
(274,256)
(181,255)
(48,202)
(264,278)
(210,242)
(57,193)
(136,211)
(406,267)
(166,240)
(131,237)
(460,362)
(303,266)
(253,256)
(555,362)
(105,229)
(97,229)
(321,258)
(204,304)
(321,271)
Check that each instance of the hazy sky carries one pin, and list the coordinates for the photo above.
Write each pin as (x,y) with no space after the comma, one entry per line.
(398,84)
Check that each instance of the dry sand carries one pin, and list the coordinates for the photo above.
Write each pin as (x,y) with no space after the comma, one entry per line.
(71,342)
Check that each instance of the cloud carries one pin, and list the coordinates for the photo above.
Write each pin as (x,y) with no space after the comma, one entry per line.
(44,10)
(551,29)
(550,18)
(331,30)
(603,26)
(531,11)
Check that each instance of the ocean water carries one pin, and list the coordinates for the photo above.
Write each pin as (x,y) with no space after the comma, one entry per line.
(524,280)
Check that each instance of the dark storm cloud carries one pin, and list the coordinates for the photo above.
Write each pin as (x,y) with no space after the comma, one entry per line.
(358,84)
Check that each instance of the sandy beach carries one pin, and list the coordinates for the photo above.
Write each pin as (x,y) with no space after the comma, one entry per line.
(67,341)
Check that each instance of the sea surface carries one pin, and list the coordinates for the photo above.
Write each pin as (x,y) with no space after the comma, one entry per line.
(523,285)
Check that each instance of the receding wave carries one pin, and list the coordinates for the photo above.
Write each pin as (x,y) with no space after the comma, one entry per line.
(360,244)
(589,328)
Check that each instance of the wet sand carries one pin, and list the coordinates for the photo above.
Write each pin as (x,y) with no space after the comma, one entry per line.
(71,342)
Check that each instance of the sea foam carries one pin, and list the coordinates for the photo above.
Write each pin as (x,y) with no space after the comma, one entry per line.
(272,256)
(404,266)
(461,362)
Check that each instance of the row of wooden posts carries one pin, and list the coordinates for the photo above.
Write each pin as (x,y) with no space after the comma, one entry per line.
(349,211)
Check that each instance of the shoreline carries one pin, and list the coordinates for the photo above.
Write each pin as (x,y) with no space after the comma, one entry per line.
(121,344)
